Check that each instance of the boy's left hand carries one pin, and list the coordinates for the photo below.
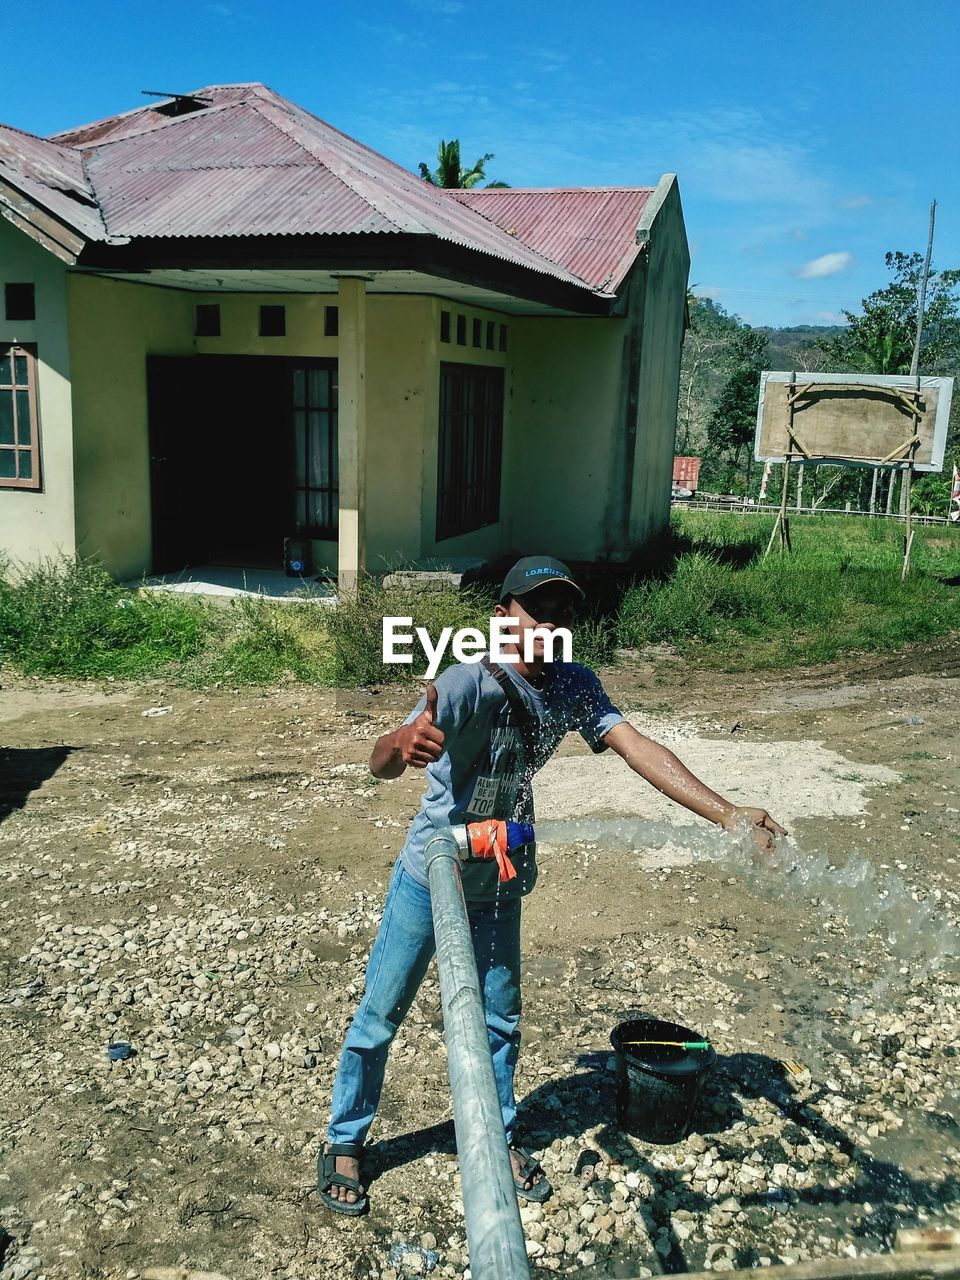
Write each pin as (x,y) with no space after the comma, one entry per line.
(764,827)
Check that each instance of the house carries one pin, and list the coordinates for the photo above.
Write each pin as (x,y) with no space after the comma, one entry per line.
(225,323)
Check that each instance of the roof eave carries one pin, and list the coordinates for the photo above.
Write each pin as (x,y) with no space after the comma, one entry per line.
(49,231)
(349,252)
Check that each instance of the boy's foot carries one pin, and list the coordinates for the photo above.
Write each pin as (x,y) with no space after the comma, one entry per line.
(339,1178)
(350,1168)
(528,1175)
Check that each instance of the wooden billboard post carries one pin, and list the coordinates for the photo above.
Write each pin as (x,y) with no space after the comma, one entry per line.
(893,423)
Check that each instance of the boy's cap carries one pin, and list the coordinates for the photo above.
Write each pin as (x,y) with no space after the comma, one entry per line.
(536,571)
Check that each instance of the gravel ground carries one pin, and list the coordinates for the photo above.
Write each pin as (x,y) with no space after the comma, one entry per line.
(204,883)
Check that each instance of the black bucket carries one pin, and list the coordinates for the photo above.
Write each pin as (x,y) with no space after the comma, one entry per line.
(658,1085)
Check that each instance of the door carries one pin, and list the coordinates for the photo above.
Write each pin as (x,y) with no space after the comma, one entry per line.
(178,461)
(221,460)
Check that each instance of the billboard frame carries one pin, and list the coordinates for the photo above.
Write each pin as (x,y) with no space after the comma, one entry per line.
(907,390)
(904,388)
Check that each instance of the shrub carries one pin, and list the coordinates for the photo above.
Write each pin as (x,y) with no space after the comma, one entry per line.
(261,642)
(67,617)
(355,628)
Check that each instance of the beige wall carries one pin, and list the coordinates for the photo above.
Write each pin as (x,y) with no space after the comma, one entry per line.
(39,523)
(663,311)
(491,541)
(564,417)
(568,411)
(240,325)
(113,326)
(399,384)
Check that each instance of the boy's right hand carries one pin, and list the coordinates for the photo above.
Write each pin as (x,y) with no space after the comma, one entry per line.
(421,742)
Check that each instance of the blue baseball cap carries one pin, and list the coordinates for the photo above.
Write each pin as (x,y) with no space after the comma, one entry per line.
(536,571)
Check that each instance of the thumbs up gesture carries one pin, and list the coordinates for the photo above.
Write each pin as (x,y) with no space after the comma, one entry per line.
(421,742)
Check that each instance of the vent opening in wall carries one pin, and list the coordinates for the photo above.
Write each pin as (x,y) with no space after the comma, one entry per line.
(19,302)
(273,322)
(208,320)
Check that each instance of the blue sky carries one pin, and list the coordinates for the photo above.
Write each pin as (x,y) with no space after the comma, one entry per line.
(808,138)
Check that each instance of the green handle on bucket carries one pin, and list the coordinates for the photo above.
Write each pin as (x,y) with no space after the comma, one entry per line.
(674,1044)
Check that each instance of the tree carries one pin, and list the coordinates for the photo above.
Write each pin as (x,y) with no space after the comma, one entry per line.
(450,173)
(703,368)
(733,421)
(881,339)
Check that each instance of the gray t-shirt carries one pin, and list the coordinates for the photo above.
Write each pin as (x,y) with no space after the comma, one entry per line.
(481,772)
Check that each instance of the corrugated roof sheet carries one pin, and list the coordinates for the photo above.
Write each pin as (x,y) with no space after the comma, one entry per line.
(251,202)
(53,175)
(589,230)
(250,163)
(129,123)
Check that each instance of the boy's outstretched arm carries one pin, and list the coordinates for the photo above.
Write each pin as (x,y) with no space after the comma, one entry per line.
(418,743)
(663,770)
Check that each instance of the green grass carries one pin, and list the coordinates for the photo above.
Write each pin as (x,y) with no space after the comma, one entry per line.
(68,618)
(253,641)
(705,590)
(355,628)
(839,590)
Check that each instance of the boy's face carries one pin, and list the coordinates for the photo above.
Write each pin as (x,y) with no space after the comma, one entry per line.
(550,606)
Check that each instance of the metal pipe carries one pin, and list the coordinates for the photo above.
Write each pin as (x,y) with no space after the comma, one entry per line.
(494,1232)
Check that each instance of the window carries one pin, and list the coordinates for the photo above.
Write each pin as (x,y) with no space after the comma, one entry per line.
(444,326)
(471,434)
(19,425)
(491,335)
(461,331)
(19,302)
(503,337)
(331,322)
(315,443)
(208,320)
(478,333)
(273,322)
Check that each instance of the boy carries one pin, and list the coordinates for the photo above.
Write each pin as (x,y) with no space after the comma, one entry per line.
(480,733)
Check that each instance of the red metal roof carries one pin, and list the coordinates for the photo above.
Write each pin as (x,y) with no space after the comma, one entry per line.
(251,163)
(589,230)
(52,175)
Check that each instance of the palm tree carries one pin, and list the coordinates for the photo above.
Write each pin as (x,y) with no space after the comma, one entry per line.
(450,173)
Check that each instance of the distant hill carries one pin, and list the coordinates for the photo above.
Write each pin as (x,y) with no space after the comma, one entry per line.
(802,332)
(798,345)
(799,337)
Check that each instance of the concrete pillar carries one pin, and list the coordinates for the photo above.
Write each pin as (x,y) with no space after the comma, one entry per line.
(352,432)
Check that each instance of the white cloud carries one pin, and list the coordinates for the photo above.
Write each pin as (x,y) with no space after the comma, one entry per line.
(854,202)
(826,265)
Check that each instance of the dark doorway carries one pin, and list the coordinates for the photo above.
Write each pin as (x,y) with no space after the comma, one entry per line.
(224,463)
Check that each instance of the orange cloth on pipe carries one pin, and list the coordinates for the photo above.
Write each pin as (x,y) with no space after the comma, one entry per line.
(488,839)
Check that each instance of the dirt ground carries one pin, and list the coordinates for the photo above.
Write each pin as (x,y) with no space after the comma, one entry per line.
(201,874)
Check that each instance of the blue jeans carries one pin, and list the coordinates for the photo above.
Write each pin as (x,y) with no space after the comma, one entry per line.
(402,951)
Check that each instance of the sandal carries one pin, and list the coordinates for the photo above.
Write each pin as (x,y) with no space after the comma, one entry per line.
(529,1165)
(328,1177)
